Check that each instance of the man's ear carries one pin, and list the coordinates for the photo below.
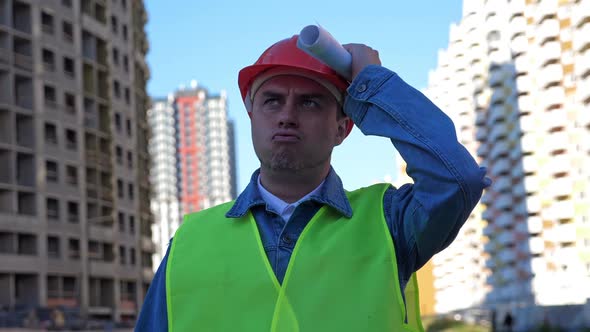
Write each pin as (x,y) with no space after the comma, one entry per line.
(343,129)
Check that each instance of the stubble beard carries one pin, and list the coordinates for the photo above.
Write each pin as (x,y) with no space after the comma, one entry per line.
(282,161)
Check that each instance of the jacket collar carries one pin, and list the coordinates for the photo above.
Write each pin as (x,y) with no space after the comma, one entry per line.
(332,194)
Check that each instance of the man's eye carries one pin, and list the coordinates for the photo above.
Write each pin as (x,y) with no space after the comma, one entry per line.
(271,101)
(310,103)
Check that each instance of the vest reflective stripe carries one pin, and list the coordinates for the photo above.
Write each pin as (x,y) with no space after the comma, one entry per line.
(342,275)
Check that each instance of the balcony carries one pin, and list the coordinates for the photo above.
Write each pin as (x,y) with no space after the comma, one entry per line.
(530,163)
(501,184)
(47,29)
(517,171)
(506,256)
(504,220)
(582,64)
(127,306)
(503,201)
(505,238)
(525,103)
(583,91)
(563,210)
(551,51)
(461,76)
(487,198)
(534,225)
(563,233)
(556,119)
(477,67)
(529,123)
(533,204)
(536,245)
(147,244)
(581,13)
(492,280)
(568,256)
(508,274)
(496,77)
(524,84)
(100,268)
(491,263)
(104,160)
(522,64)
(520,44)
(530,142)
(550,74)
(581,38)
(4,54)
(549,29)
(560,139)
(517,7)
(499,130)
(491,247)
(500,167)
(584,117)
(546,9)
(70,301)
(518,189)
(491,230)
(561,186)
(23,61)
(482,150)
(147,273)
(538,265)
(481,100)
(499,113)
(481,133)
(560,164)
(101,232)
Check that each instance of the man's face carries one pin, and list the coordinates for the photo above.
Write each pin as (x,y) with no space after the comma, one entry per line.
(295,124)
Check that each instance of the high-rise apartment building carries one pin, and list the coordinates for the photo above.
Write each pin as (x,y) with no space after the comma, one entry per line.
(193,158)
(204,160)
(219,164)
(515,79)
(189,105)
(75,221)
(163,175)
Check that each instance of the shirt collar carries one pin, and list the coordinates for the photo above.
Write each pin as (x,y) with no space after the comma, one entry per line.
(331,193)
(283,208)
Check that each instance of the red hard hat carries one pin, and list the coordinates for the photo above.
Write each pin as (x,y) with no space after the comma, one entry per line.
(285,54)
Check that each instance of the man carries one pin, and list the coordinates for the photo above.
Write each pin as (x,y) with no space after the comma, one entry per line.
(295,251)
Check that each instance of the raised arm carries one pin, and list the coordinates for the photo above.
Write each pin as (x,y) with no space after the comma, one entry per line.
(448,183)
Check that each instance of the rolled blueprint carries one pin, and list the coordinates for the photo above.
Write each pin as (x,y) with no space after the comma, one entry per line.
(319,43)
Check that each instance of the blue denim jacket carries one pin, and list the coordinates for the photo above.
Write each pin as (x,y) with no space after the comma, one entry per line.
(423,218)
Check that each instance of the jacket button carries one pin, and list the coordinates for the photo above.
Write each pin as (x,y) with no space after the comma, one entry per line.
(287,239)
(361,88)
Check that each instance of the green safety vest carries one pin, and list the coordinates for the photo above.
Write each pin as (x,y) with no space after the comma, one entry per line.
(342,275)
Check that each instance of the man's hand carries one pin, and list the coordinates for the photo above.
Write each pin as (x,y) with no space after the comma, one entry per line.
(362,56)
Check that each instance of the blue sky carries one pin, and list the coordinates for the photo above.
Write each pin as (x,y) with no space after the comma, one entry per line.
(210,41)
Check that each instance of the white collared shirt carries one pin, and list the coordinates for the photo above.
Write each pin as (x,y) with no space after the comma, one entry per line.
(284,209)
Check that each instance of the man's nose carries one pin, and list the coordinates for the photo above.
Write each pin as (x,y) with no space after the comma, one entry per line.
(288,116)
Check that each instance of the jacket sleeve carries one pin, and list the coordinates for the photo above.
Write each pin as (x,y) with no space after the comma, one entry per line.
(154,314)
(426,216)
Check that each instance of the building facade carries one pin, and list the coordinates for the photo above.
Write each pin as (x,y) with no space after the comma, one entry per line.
(193,158)
(163,175)
(75,222)
(515,79)
(204,161)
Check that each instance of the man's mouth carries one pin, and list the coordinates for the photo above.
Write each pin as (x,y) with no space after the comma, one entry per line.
(285,137)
